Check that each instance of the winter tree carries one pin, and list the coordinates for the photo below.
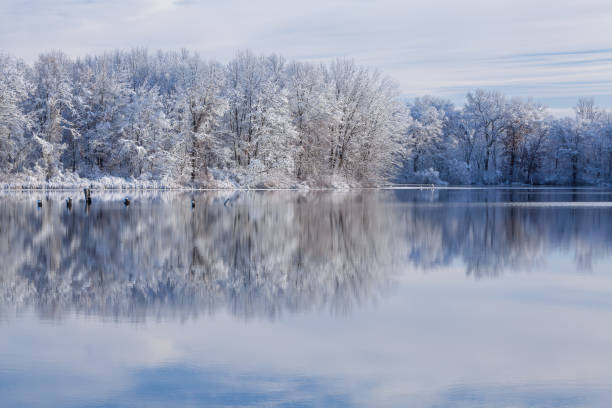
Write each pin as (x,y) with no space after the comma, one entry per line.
(15,87)
(178,119)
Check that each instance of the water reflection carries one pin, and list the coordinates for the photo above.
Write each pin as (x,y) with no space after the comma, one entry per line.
(253,253)
(265,253)
(490,231)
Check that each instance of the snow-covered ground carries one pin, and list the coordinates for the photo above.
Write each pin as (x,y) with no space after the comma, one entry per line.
(218,180)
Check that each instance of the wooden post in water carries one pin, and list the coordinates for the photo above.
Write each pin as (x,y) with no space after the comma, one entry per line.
(69,203)
(39,203)
(192,203)
(126,201)
(87,192)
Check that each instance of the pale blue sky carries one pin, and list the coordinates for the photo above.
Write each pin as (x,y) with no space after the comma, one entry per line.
(554,51)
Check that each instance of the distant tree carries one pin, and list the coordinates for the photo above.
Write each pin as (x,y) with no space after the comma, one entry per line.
(425,134)
(522,119)
(486,113)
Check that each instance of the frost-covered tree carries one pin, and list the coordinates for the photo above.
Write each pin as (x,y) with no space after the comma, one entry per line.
(15,87)
(425,134)
(143,144)
(108,95)
(534,152)
(364,132)
(587,162)
(523,118)
(176,118)
(486,113)
(310,106)
(52,105)
(198,112)
(258,113)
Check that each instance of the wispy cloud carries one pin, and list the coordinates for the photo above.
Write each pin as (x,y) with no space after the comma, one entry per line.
(552,50)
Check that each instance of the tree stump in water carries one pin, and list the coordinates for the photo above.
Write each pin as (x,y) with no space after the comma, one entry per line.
(87,192)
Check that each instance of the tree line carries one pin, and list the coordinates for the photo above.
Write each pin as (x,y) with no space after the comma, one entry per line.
(493,139)
(260,120)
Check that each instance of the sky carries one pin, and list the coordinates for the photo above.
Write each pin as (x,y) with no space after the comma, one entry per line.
(552,50)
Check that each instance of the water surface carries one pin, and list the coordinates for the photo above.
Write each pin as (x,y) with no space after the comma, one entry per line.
(424,298)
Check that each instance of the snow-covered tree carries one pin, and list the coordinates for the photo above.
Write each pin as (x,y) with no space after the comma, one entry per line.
(52,105)
(425,137)
(310,108)
(486,113)
(258,115)
(523,118)
(364,132)
(15,87)
(198,112)
(259,120)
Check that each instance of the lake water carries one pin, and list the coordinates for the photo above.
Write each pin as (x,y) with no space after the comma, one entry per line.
(374,298)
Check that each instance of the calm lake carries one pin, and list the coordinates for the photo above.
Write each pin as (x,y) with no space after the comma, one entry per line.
(374,298)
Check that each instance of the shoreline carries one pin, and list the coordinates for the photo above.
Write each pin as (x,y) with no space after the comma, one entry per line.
(422,187)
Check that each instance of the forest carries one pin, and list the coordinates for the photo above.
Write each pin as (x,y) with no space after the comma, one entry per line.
(175,119)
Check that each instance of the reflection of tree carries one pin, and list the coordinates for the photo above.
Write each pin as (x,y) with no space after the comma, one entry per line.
(491,231)
(261,254)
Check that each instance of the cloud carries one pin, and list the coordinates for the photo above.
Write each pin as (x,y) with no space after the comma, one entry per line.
(546,49)
(434,340)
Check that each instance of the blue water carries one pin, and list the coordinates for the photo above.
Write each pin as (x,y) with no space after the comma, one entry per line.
(386,298)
